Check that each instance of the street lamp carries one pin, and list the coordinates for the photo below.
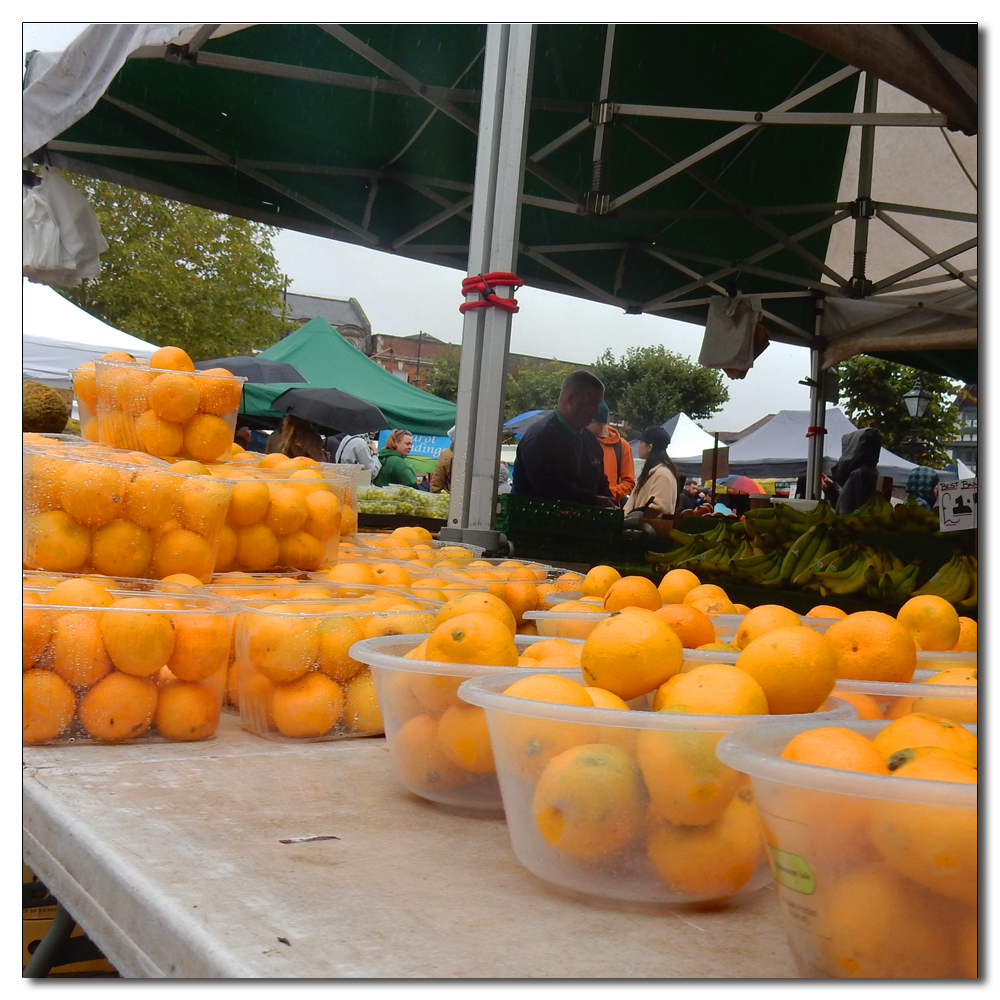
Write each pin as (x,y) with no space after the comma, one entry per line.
(916,400)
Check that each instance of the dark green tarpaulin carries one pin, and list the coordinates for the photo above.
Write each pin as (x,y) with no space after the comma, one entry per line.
(328,360)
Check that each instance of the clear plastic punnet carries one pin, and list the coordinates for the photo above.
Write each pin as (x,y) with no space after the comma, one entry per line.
(877,874)
(629,806)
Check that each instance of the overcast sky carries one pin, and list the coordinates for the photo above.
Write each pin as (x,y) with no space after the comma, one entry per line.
(401,296)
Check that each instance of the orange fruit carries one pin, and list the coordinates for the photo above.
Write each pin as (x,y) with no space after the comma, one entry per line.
(202,504)
(836,746)
(589,802)
(795,666)
(190,467)
(622,736)
(921,730)
(150,497)
(968,636)
(174,397)
(257,547)
(207,437)
(714,605)
(307,707)
(420,760)
(712,860)
(632,592)
(306,481)
(299,550)
(118,706)
(676,584)
(688,785)
(220,391)
(866,705)
(324,515)
(82,593)
(281,646)
(705,590)
(249,502)
(872,646)
(568,582)
(178,550)
(272,460)
(352,572)
(47,705)
(201,645)
(122,548)
(875,924)
(85,385)
(463,734)
(336,636)
(598,580)
(932,764)
(761,619)
(932,621)
(956,709)
(546,647)
(186,710)
(225,553)
(631,653)
(173,358)
(693,627)
(139,639)
(711,689)
(361,708)
(158,436)
(54,541)
(825,611)
(390,574)
(78,653)
(287,512)
(474,637)
(36,630)
(92,494)
(477,601)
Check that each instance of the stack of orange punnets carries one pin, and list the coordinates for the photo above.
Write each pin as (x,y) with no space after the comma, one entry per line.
(108,661)
(165,408)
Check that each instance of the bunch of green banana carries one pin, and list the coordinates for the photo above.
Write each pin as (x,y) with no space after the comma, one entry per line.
(971,600)
(954,581)
(895,585)
(811,545)
(847,572)
(756,565)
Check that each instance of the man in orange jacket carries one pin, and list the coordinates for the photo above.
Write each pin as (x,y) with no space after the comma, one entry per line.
(619,466)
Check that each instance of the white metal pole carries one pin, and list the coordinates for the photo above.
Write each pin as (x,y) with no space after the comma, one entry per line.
(493,246)
(817,410)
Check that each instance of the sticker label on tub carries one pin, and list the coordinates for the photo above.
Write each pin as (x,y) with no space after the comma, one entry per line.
(792,871)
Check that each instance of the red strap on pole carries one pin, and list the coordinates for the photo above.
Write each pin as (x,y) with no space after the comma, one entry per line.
(813,431)
(483,285)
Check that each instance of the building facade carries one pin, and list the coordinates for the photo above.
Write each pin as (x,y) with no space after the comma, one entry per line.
(965,447)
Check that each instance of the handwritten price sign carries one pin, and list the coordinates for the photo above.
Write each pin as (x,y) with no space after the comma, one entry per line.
(959,505)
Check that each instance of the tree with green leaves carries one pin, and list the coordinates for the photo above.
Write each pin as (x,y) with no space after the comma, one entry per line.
(648,385)
(180,275)
(871,392)
(442,379)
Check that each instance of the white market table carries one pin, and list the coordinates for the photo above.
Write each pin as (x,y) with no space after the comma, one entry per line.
(195,861)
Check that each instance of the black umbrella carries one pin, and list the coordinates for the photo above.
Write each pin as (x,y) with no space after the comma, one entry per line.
(333,409)
(255,369)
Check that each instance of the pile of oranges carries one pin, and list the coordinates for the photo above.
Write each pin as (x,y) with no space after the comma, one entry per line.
(894,873)
(108,664)
(165,408)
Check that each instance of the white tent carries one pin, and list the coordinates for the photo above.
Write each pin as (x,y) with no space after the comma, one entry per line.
(686,437)
(778,449)
(59,336)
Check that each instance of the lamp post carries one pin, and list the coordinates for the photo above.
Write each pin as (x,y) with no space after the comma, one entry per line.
(916,402)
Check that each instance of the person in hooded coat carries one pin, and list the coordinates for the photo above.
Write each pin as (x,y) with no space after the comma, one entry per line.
(856,474)
(922,484)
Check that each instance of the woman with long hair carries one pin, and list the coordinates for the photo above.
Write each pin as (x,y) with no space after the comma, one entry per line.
(296,437)
(656,488)
(395,469)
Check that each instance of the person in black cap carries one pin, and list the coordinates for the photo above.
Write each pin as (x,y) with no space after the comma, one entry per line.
(656,488)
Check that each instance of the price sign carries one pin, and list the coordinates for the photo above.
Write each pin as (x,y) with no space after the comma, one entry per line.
(958,505)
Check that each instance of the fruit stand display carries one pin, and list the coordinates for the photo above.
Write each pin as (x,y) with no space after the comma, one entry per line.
(876,557)
(399,506)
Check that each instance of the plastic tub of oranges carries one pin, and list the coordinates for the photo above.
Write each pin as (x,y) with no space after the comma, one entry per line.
(294,678)
(619,803)
(875,859)
(285,517)
(118,666)
(951,693)
(120,515)
(166,408)
(575,622)
(439,745)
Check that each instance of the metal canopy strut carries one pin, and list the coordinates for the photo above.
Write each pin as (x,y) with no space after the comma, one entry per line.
(493,246)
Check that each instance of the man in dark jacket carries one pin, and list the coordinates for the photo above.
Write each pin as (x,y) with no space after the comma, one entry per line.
(855,475)
(558,458)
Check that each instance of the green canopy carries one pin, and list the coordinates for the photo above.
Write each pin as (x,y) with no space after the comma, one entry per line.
(329,361)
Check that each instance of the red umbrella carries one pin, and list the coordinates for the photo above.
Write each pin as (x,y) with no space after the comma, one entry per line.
(744,484)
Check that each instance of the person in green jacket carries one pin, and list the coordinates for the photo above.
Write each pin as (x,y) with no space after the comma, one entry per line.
(395,469)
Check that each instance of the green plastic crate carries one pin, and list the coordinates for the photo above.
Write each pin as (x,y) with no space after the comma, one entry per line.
(559,530)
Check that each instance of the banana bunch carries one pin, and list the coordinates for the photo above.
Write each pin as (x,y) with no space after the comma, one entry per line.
(703,550)
(956,581)
(843,571)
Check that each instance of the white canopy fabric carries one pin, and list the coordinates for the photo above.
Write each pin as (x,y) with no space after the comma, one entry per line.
(59,336)
(686,437)
(778,449)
